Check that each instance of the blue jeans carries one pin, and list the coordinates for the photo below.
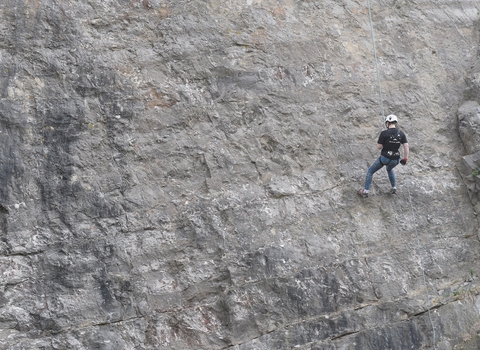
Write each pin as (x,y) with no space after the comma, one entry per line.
(377,165)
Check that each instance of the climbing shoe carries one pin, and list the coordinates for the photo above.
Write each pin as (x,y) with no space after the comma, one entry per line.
(393,191)
(363,193)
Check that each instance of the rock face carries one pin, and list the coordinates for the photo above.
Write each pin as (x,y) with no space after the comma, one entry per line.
(182,175)
(469,127)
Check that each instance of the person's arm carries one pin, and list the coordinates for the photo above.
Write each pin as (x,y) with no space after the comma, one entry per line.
(406,150)
(379,146)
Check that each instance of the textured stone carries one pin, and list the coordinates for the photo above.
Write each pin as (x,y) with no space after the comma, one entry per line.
(469,125)
(183,175)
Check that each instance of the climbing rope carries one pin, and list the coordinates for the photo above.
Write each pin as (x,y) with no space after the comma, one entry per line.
(429,306)
(376,61)
(408,187)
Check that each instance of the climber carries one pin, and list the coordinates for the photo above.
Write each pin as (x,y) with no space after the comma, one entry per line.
(389,144)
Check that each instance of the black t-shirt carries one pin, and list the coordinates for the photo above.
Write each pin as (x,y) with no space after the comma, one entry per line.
(391,139)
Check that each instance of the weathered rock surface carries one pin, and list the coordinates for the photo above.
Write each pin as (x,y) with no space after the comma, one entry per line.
(182,175)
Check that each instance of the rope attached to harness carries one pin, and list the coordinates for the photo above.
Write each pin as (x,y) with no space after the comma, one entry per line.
(408,188)
(376,61)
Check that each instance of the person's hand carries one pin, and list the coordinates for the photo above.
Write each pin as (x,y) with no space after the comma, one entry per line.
(404,161)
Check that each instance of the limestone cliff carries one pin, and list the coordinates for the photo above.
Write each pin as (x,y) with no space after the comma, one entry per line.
(182,174)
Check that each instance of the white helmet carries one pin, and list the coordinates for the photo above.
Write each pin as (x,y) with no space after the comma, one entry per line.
(391,118)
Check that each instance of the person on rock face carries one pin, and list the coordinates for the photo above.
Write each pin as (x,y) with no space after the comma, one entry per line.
(389,142)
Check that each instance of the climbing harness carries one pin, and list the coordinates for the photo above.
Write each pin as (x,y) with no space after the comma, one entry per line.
(408,187)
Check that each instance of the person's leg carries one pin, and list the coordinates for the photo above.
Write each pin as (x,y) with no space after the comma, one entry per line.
(391,174)
(377,165)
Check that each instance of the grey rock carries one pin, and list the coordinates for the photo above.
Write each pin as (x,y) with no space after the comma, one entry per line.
(469,125)
(183,175)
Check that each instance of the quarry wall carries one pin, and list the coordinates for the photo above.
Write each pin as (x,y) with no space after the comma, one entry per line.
(183,175)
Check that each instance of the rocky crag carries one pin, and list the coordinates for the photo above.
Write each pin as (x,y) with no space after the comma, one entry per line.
(181,174)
